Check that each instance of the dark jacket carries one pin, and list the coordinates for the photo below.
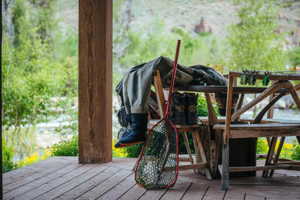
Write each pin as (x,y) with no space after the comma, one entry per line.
(134,88)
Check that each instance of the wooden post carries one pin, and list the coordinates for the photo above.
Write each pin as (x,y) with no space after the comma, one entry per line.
(225,149)
(95,81)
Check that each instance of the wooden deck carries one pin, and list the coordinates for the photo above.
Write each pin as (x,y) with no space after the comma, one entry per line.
(64,178)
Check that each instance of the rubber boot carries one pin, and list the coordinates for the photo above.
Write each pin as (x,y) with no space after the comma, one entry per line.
(191,108)
(178,109)
(136,134)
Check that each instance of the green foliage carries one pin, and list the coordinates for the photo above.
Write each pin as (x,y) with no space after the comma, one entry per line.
(202,107)
(182,148)
(134,150)
(7,157)
(254,43)
(195,49)
(66,148)
(296,153)
(28,71)
(294,56)
(262,146)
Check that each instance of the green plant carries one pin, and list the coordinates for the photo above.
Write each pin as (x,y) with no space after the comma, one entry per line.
(296,152)
(262,146)
(202,107)
(33,158)
(133,151)
(39,74)
(254,42)
(7,157)
(66,148)
(294,56)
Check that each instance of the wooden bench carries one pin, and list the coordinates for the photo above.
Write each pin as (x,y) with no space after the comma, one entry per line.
(280,86)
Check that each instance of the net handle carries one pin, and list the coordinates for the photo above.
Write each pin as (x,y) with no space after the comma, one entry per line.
(172,84)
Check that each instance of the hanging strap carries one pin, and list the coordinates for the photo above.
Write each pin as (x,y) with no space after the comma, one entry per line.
(172,79)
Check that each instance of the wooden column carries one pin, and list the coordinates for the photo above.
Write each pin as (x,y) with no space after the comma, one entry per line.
(95,81)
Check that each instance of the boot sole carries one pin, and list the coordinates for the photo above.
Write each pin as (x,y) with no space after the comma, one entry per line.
(130,144)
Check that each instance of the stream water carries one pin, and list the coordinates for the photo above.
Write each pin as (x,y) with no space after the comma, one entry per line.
(45,135)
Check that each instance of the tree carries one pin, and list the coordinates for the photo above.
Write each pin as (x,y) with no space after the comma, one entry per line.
(254,41)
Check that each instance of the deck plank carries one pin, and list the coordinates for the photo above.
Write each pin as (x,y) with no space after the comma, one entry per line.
(177,192)
(54,183)
(95,170)
(196,192)
(88,185)
(254,197)
(33,171)
(153,194)
(214,192)
(119,189)
(134,193)
(234,195)
(37,183)
(109,184)
(65,179)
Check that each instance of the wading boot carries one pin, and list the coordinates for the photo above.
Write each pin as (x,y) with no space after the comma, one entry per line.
(191,108)
(178,107)
(136,133)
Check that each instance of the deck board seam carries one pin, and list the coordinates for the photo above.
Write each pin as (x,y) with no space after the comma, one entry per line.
(98,173)
(186,190)
(225,193)
(39,177)
(142,195)
(165,192)
(123,179)
(96,185)
(126,191)
(37,172)
(205,192)
(63,182)
(33,188)
(92,187)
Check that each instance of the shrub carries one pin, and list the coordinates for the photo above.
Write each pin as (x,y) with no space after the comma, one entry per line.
(296,153)
(7,156)
(262,146)
(202,107)
(133,151)
(287,151)
(118,152)
(294,56)
(254,42)
(66,148)
(35,157)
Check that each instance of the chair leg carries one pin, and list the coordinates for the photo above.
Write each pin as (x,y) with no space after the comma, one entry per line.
(202,153)
(225,166)
(197,153)
(270,155)
(188,149)
(277,154)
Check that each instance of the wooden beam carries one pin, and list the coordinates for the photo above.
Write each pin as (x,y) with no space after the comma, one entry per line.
(95,81)
(278,77)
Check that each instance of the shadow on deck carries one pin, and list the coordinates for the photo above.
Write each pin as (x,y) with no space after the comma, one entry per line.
(64,178)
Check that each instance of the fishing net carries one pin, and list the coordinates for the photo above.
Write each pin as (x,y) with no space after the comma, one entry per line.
(157,166)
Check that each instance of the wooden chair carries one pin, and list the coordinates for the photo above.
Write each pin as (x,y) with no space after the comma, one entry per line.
(200,161)
(274,129)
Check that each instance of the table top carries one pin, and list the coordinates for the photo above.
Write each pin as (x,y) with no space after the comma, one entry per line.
(223,89)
